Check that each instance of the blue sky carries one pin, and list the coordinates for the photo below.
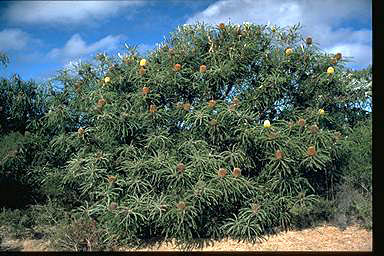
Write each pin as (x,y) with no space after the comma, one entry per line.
(43,37)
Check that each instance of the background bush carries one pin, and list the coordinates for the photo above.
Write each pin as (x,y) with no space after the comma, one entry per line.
(354,198)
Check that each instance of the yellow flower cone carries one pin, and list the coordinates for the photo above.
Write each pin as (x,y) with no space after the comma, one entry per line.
(267,124)
(143,62)
(107,79)
(321,112)
(330,71)
(288,51)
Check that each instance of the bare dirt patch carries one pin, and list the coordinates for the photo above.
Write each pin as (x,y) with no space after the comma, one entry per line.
(320,238)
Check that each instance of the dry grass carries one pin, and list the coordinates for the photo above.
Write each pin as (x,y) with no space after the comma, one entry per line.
(321,238)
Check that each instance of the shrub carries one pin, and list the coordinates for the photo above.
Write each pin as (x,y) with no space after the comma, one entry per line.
(78,234)
(21,104)
(246,144)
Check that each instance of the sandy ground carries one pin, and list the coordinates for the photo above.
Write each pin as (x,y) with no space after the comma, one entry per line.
(321,238)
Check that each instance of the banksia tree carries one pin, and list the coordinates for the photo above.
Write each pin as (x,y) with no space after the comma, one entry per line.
(227,150)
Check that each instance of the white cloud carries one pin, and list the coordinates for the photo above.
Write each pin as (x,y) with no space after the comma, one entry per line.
(77,47)
(329,22)
(13,39)
(64,12)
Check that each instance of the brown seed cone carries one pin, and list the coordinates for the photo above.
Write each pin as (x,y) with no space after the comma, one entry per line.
(279,154)
(308,40)
(301,122)
(186,106)
(236,172)
(179,105)
(203,68)
(113,206)
(311,151)
(338,135)
(112,68)
(146,90)
(126,60)
(221,26)
(152,108)
(255,208)
(99,155)
(142,71)
(112,179)
(81,132)
(177,67)
(273,135)
(213,122)
(314,129)
(222,172)
(338,56)
(101,102)
(211,103)
(333,61)
(78,86)
(181,205)
(235,101)
(180,167)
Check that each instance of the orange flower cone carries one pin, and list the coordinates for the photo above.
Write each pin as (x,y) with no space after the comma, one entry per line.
(311,151)
(279,154)
(146,90)
(177,67)
(203,68)
(186,106)
(222,172)
(236,172)
(180,167)
(211,103)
